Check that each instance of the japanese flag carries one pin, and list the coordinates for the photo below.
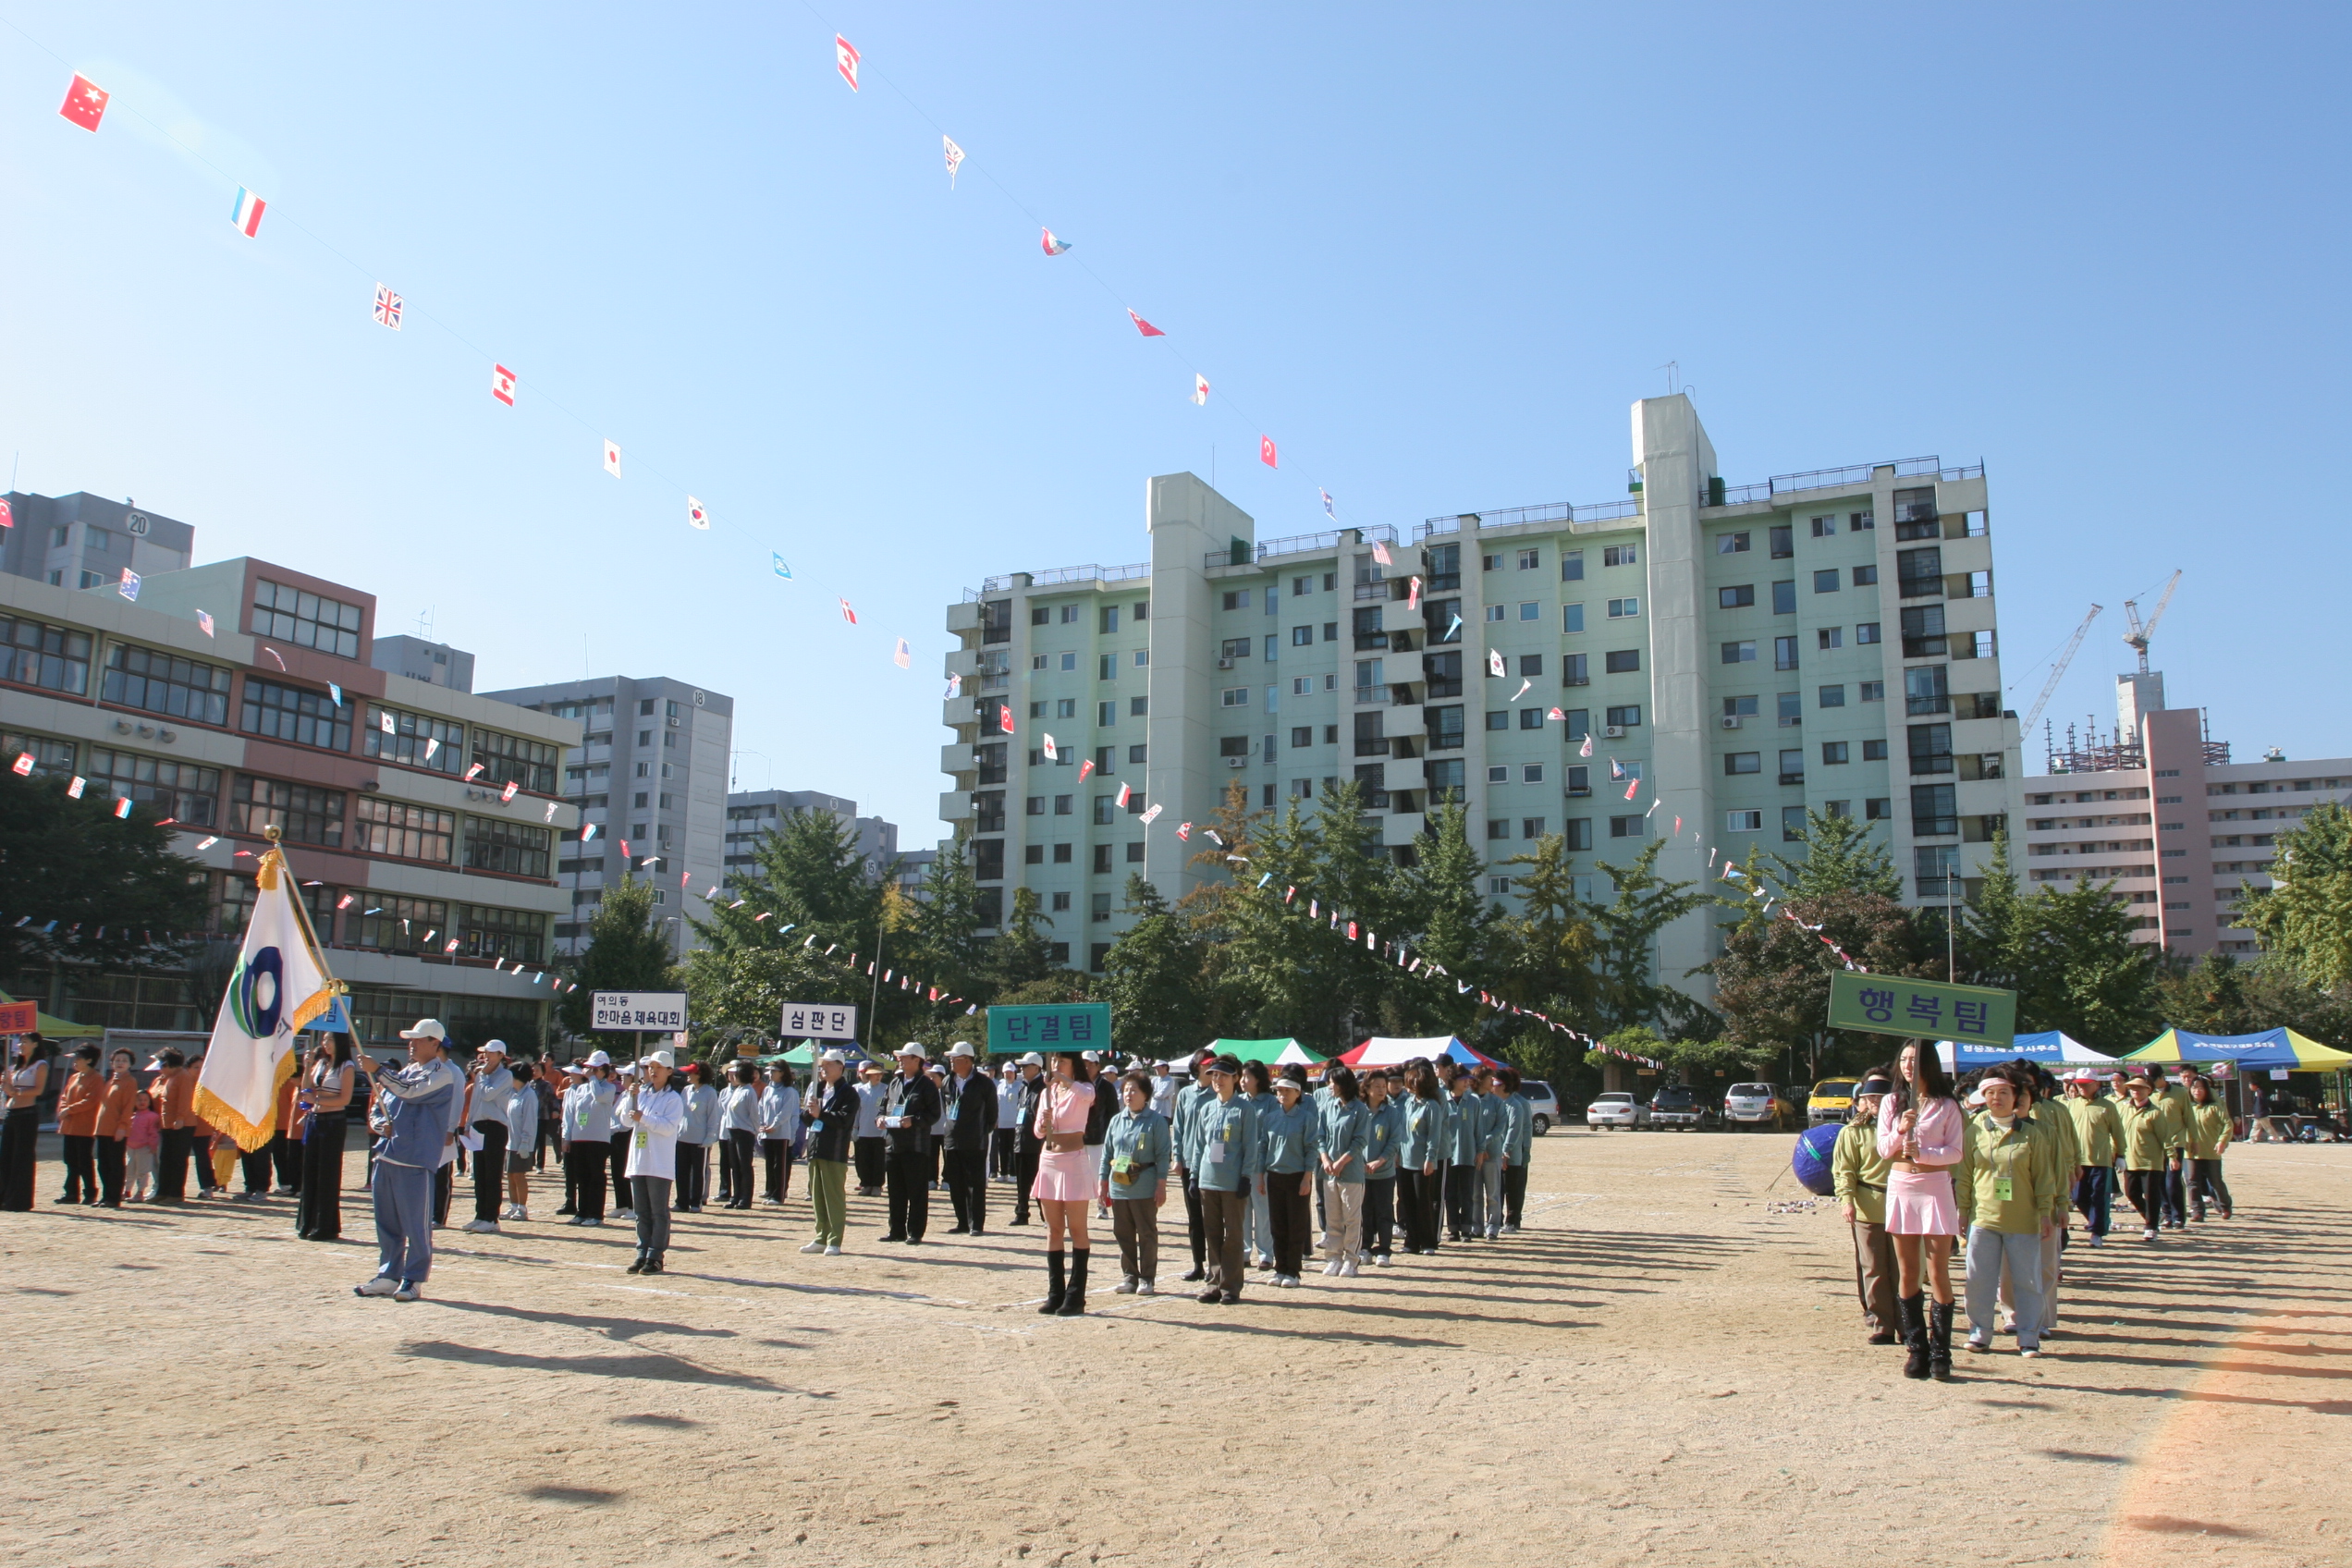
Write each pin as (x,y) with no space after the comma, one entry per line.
(1053,753)
(1200,388)
(85,102)
(1494,662)
(1004,717)
(1266,451)
(502,385)
(845,60)
(697,516)
(612,459)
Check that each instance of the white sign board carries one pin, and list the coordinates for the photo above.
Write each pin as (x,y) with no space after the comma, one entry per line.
(665,1011)
(820,1021)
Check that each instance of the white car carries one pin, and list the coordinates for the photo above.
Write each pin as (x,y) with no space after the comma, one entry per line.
(1542,1102)
(1616,1109)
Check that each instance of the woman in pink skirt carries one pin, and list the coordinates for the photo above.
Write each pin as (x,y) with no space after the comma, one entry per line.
(1066,1176)
(1919,1132)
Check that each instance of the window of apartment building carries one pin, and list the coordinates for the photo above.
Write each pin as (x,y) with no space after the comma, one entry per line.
(1792,765)
(1034,805)
(1783,653)
(517,935)
(1531,827)
(1743,821)
(1530,611)
(1826,581)
(181,790)
(1866,576)
(1871,692)
(1491,562)
(302,813)
(1234,648)
(1445,728)
(1498,828)
(1623,661)
(512,759)
(1102,859)
(1062,852)
(1033,854)
(396,925)
(1833,752)
(1234,697)
(1878,809)
(1785,599)
(515,849)
(1302,586)
(1108,619)
(1576,669)
(1791,709)
(1792,824)
(1531,773)
(1237,598)
(1874,750)
(1302,636)
(1619,609)
(1739,652)
(1040,614)
(1628,826)
(1931,747)
(1738,763)
(1577,833)
(1825,527)
(1070,661)
(1497,718)
(1620,555)
(1731,543)
(1499,773)
(404,831)
(1739,707)
(1107,713)
(154,682)
(1831,697)
(1572,566)
(1531,719)
(1737,597)
(1627,716)
(1530,559)
(1104,759)
(1782,537)
(1103,807)
(1136,754)
(1066,707)
(305,619)
(1106,665)
(1934,810)
(988,860)
(288,713)
(414,740)
(1494,612)
(1233,746)
(1445,777)
(1578,725)
(1856,521)
(1037,661)
(1829,636)
(1572,617)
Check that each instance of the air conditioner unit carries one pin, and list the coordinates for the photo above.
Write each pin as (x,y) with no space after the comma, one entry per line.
(1614,732)
(1730,721)
(1237,762)
(1224,663)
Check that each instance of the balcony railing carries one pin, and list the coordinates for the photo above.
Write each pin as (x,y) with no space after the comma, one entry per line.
(1372,748)
(1580,517)
(1934,826)
(1918,706)
(1088,573)
(1371,694)
(1793,778)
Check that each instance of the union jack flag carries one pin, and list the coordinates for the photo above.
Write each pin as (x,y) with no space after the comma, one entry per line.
(387,307)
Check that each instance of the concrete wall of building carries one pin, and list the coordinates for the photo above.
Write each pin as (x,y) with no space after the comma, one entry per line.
(62,539)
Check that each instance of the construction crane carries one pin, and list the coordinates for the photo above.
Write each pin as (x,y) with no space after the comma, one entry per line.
(2137,638)
(2058,670)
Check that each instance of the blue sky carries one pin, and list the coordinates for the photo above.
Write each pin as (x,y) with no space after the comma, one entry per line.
(1435,253)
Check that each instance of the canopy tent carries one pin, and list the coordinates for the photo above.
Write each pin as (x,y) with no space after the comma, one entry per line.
(1378,1051)
(58,1028)
(2272,1047)
(2055,1047)
(1283,1052)
(807,1051)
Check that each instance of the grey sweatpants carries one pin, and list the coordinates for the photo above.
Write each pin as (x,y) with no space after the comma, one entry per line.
(1990,1252)
(403,1196)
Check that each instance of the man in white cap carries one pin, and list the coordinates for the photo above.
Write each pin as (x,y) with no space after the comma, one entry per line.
(651,1114)
(971,1123)
(409,1109)
(910,1105)
(487,1088)
(587,1136)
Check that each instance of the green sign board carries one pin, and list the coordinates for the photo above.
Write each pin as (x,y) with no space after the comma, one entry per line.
(1069,1026)
(1925,1009)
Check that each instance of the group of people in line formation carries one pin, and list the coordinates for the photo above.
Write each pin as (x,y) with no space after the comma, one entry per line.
(2004,1159)
(1425,1147)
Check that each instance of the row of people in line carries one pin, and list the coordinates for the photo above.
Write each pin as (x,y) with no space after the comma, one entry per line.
(2004,1160)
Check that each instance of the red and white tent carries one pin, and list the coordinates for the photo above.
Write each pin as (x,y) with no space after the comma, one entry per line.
(1380,1051)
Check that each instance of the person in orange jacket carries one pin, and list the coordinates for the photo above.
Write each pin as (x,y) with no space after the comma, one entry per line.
(116,1107)
(78,1126)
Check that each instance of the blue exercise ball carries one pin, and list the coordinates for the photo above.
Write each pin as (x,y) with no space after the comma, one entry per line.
(1811,1159)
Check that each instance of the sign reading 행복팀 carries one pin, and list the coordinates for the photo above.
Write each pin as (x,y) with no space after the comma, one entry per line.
(1925,1009)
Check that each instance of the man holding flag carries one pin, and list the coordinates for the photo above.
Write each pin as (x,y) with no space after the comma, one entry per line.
(409,1109)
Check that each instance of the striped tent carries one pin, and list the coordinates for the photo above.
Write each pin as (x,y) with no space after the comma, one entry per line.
(2272,1047)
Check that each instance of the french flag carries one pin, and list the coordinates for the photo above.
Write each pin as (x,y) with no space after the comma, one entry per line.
(248,215)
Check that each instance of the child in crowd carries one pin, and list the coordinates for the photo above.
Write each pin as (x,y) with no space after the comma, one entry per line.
(146,1137)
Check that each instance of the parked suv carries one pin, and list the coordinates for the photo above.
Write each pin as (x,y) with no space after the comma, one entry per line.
(1678,1105)
(1757,1105)
(1543,1102)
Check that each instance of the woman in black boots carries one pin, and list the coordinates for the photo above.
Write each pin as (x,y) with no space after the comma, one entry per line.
(1066,1178)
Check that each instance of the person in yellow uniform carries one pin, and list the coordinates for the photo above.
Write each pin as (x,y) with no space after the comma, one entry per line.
(2099,1135)
(2146,1143)
(1859,1177)
(2010,1194)
(2209,1134)
(2172,1100)
(2038,1101)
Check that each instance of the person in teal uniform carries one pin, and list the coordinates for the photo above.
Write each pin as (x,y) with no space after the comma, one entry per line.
(1421,1156)
(1286,1135)
(1518,1148)
(1224,1146)
(1344,1137)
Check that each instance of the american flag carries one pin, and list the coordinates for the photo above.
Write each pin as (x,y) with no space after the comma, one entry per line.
(387,307)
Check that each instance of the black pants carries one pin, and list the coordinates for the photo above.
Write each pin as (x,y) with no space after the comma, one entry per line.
(81,1170)
(2177,1192)
(873,1159)
(319,1211)
(200,1154)
(1001,1157)
(285,1158)
(968,1187)
(931,1161)
(445,1188)
(693,1171)
(735,1157)
(2145,1190)
(1024,1176)
(1461,1182)
(20,1136)
(1288,1215)
(1514,1194)
(2205,1180)
(775,1154)
(490,1171)
(174,1149)
(111,1153)
(652,1208)
(908,1177)
(1419,1193)
(1195,1229)
(256,1168)
(1379,1216)
(619,1154)
(586,1164)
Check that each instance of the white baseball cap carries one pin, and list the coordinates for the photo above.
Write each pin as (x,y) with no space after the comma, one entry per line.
(833,1056)
(1032,1059)
(598,1058)
(575,1070)
(487,1047)
(960,1049)
(426,1029)
(663,1058)
(914,1048)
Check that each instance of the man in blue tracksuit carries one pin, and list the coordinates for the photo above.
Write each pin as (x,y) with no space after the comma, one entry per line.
(412,1110)
(1468,1125)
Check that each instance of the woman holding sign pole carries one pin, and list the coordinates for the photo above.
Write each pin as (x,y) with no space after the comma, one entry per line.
(1065,1180)
(1919,1134)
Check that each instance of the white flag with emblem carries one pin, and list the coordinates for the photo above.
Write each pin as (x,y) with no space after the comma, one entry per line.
(279,985)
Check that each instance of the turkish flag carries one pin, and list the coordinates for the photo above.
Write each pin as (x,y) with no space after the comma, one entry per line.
(85,102)
(1266,451)
(1004,717)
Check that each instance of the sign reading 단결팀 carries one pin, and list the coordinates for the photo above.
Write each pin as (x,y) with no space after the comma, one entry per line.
(1071,1026)
(1926,1009)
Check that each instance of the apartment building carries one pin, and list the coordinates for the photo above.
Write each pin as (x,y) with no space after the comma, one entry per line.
(239,694)
(2161,812)
(751,814)
(85,540)
(1732,652)
(650,767)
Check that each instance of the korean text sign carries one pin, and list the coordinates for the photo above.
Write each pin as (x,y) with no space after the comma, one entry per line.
(1925,1009)
(1071,1026)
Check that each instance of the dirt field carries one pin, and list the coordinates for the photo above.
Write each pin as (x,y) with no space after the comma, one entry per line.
(1657,1368)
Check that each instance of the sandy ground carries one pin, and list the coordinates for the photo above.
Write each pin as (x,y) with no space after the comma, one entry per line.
(1657,1368)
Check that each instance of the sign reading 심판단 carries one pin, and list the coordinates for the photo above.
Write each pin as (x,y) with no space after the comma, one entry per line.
(1925,1009)
(820,1021)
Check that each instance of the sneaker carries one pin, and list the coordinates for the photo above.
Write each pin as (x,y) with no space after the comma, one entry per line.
(523,1214)
(1380,1259)
(1332,1267)
(594,1222)
(831,1251)
(1125,1287)
(1980,1345)
(381,1285)
(480,1227)
(408,1291)
(1510,1230)
(284,1192)
(2029,1350)
(814,1246)
(1286,1280)
(2099,1241)
(1146,1288)
(1347,1268)
(2149,1234)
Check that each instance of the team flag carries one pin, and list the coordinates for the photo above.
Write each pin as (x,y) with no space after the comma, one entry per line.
(85,102)
(1266,451)
(1054,247)
(1146,328)
(782,569)
(74,788)
(280,984)
(695,514)
(848,614)
(1184,831)
(587,831)
(129,589)
(1086,766)
(1632,785)
(1200,388)
(206,621)
(1150,816)
(22,766)
(1004,717)
(955,157)
(612,459)
(248,213)
(387,307)
(502,385)
(845,60)
(904,657)
(122,806)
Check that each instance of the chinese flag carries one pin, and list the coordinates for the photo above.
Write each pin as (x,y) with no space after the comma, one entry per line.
(85,102)
(1266,451)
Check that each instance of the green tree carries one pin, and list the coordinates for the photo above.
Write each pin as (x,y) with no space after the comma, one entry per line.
(115,889)
(1155,979)
(1454,925)
(627,950)
(1546,953)
(1628,989)
(948,943)
(1841,855)
(1772,978)
(2069,956)
(2304,919)
(1020,955)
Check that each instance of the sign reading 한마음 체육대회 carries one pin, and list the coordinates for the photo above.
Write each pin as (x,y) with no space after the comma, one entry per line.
(1069,1026)
(1925,1009)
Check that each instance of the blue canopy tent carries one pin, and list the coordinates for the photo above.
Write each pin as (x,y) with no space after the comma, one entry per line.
(2055,1047)
(2272,1047)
